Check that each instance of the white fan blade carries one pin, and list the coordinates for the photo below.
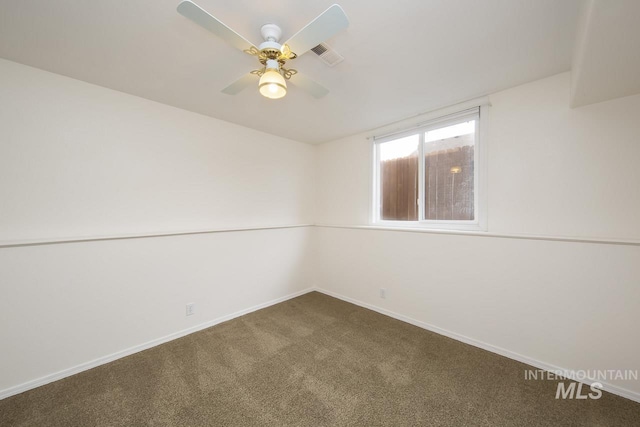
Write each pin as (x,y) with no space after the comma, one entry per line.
(325,26)
(308,85)
(240,84)
(192,11)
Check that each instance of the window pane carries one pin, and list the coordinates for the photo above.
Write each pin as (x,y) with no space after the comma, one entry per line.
(399,179)
(449,174)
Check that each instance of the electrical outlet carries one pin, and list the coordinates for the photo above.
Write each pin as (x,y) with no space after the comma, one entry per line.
(383,293)
(191,309)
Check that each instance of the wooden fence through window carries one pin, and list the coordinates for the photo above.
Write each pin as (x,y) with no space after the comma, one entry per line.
(449,186)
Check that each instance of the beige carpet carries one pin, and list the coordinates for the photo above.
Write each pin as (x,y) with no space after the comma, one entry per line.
(310,361)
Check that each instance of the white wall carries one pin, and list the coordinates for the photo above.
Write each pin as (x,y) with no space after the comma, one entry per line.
(560,171)
(78,160)
(552,171)
(65,305)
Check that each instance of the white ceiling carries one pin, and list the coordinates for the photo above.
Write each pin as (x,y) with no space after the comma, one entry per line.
(606,63)
(402,57)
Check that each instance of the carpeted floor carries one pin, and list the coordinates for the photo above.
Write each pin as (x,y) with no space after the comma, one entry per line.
(311,361)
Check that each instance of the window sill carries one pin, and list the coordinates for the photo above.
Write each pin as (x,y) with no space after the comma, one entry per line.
(444,226)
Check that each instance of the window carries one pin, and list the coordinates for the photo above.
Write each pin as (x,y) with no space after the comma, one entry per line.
(430,176)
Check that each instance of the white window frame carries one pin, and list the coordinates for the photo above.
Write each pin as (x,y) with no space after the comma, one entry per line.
(475,109)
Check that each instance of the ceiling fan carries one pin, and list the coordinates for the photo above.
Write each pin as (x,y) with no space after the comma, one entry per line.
(270,53)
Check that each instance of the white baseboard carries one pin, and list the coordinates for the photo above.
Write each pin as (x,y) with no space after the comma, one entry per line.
(628,394)
(135,349)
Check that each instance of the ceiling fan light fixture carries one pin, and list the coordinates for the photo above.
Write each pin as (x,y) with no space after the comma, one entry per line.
(272,84)
(271,53)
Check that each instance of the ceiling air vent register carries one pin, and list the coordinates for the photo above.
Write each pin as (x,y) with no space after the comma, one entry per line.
(327,54)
